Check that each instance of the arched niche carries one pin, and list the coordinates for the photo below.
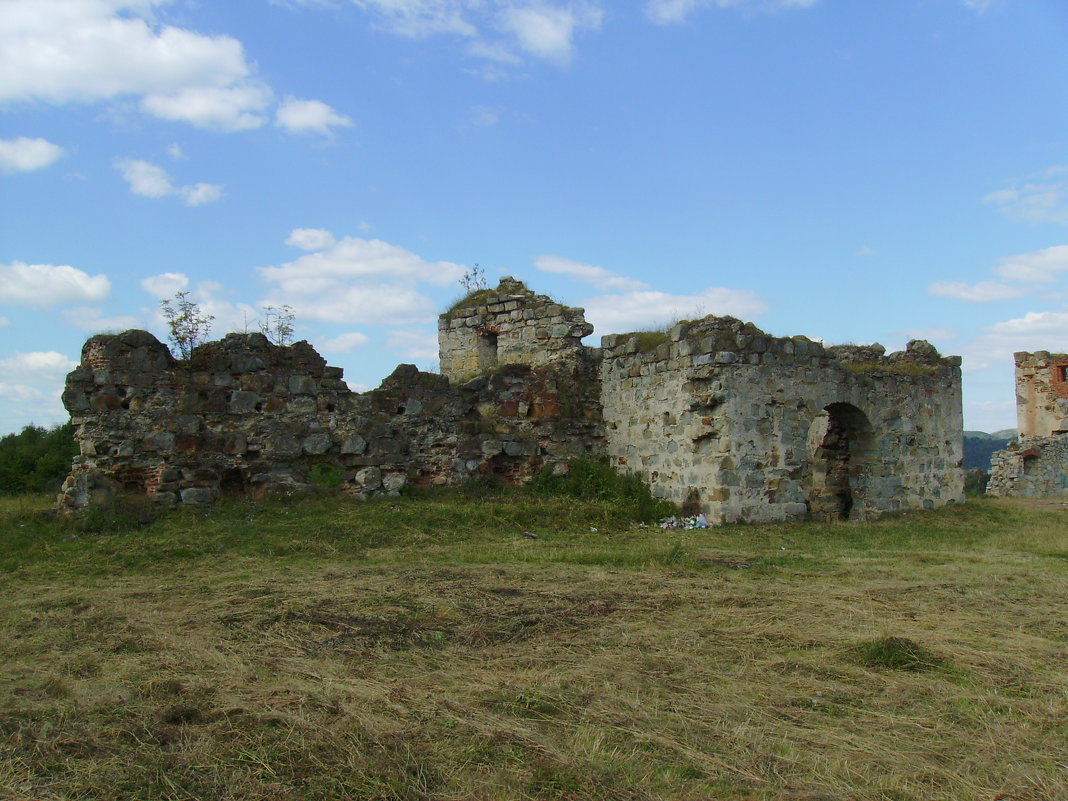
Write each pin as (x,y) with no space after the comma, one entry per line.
(840,446)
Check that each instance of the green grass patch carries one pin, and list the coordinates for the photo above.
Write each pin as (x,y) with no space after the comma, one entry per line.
(525,644)
(648,341)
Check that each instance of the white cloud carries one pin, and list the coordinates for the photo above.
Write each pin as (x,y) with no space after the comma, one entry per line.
(23,154)
(88,51)
(1048,325)
(1043,200)
(866,250)
(4,321)
(588,273)
(355,258)
(149,180)
(174,150)
(31,383)
(46,285)
(92,319)
(356,281)
(1040,266)
(61,51)
(165,285)
(668,12)
(300,116)
(645,309)
(548,31)
(418,19)
(36,363)
(218,108)
(983,292)
(373,304)
(311,238)
(20,393)
(1027,271)
(495,29)
(417,345)
(344,343)
(484,117)
(1034,331)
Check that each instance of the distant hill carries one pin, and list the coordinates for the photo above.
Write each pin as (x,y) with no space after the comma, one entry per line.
(978,446)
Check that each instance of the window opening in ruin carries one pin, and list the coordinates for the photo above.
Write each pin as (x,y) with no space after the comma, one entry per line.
(1062,372)
(839,441)
(487,350)
(1030,465)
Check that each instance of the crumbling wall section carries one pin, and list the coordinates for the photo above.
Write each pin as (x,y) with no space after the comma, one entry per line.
(746,426)
(1041,393)
(246,416)
(508,325)
(1031,467)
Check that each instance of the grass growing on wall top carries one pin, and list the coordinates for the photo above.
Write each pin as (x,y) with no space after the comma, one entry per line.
(898,368)
(648,340)
(430,647)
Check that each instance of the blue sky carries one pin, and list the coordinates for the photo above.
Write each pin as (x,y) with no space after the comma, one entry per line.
(852,171)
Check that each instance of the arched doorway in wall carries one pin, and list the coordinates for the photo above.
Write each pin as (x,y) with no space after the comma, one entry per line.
(840,444)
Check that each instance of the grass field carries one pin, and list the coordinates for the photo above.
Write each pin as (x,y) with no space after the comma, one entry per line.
(432,648)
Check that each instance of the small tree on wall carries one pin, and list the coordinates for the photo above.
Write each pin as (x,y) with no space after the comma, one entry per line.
(188,325)
(278,324)
(473,280)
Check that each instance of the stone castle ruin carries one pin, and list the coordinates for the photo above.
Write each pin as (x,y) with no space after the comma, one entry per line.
(1036,464)
(714,414)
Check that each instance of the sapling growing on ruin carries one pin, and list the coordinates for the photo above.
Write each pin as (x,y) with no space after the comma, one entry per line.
(188,326)
(473,280)
(278,324)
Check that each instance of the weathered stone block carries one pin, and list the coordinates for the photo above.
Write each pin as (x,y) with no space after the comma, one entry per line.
(354,444)
(369,478)
(243,402)
(316,444)
(198,495)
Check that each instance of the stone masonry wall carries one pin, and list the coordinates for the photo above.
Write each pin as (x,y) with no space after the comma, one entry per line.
(247,416)
(508,325)
(1041,393)
(752,427)
(1032,467)
(715,415)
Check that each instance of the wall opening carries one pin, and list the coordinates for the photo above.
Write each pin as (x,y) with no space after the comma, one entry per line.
(232,482)
(486,348)
(839,446)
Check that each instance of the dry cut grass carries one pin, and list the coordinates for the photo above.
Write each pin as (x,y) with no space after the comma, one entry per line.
(327,650)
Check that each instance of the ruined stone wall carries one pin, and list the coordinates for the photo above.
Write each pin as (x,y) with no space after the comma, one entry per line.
(508,325)
(1031,467)
(1041,393)
(715,414)
(247,416)
(752,427)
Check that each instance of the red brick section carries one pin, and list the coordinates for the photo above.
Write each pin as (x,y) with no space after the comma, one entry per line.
(1058,381)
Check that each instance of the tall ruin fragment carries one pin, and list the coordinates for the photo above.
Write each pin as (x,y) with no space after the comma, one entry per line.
(714,413)
(1035,465)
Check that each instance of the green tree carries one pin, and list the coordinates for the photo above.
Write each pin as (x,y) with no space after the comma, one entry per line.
(188,325)
(36,459)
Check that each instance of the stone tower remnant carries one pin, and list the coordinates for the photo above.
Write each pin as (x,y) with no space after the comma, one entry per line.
(1036,464)
(714,412)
